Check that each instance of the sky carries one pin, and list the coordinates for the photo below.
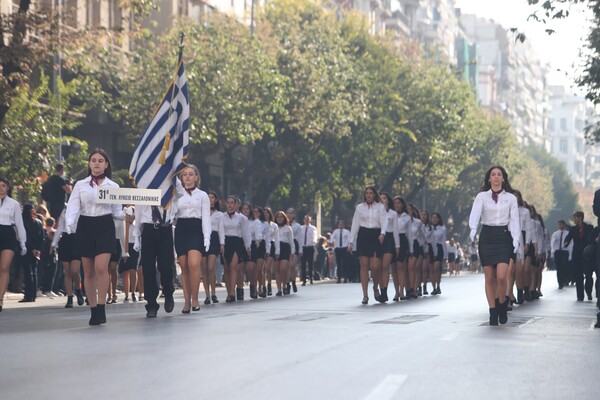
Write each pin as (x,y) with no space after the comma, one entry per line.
(561,50)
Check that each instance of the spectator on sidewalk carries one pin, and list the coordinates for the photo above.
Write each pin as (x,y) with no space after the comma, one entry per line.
(54,191)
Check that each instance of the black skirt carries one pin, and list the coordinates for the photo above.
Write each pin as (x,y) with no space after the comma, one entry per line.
(215,244)
(367,243)
(530,251)
(417,248)
(132,261)
(440,253)
(285,251)
(430,252)
(258,252)
(8,238)
(189,236)
(65,248)
(235,245)
(272,250)
(451,257)
(495,245)
(389,246)
(403,257)
(94,235)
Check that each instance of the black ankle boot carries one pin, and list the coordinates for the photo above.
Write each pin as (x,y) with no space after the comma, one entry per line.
(94,318)
(502,310)
(69,302)
(493,317)
(79,296)
(269,290)
(253,294)
(101,313)
(527,294)
(239,292)
(519,296)
(383,297)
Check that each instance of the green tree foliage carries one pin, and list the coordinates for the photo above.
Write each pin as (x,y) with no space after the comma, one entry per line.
(29,135)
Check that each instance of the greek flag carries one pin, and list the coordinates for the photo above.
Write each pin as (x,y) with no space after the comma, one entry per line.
(162,150)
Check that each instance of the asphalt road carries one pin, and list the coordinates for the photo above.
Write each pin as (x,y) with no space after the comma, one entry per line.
(320,343)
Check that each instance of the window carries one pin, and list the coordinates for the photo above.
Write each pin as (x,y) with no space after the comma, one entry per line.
(70,13)
(116,17)
(564,146)
(551,124)
(93,13)
(579,125)
(563,124)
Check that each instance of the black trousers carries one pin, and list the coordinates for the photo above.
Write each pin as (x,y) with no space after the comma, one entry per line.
(30,266)
(341,258)
(561,259)
(308,256)
(157,252)
(583,277)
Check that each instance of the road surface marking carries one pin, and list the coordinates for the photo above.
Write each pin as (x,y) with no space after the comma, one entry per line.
(387,388)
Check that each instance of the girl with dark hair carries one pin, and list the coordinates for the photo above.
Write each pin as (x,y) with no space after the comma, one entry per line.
(237,246)
(256,236)
(10,240)
(428,255)
(369,226)
(296,227)
(217,246)
(94,230)
(416,243)
(192,234)
(284,241)
(70,262)
(496,207)
(260,235)
(518,276)
(35,240)
(400,273)
(540,255)
(439,251)
(391,245)
(268,270)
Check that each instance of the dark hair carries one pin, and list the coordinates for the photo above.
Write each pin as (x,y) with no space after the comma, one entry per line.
(261,213)
(217,201)
(59,168)
(27,212)
(414,212)
(519,197)
(439,217)
(50,221)
(7,182)
(562,221)
(402,203)
(579,214)
(271,217)
(377,199)
(246,204)
(532,211)
(390,200)
(102,152)
(285,218)
(426,222)
(541,219)
(486,185)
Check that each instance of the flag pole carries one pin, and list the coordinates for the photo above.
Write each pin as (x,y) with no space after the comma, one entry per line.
(167,142)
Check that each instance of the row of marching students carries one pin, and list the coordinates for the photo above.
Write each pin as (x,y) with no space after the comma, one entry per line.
(389,234)
(193,226)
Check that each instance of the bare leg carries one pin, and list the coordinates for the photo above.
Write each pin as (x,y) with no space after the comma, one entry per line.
(490,285)
(194,259)
(185,281)
(6,257)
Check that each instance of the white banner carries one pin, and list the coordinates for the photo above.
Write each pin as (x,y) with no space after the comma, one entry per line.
(149,197)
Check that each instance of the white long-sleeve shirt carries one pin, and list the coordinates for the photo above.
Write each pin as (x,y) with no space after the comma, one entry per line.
(256,230)
(195,205)
(273,231)
(216,224)
(557,242)
(295,230)
(417,233)
(503,213)
(340,242)
(10,214)
(308,236)
(392,226)
(368,216)
(143,215)
(83,202)
(237,225)
(284,234)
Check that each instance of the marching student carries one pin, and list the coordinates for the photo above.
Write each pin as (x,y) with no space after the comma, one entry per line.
(94,230)
(284,241)
(192,234)
(259,252)
(496,207)
(129,265)
(453,249)
(270,261)
(369,226)
(391,245)
(216,248)
(115,258)
(341,238)
(307,242)
(244,264)
(416,243)
(403,276)
(70,261)
(35,240)
(292,272)
(561,253)
(237,246)
(520,270)
(580,235)
(439,251)
(428,256)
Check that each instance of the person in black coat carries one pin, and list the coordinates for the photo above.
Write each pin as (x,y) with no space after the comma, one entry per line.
(35,241)
(581,235)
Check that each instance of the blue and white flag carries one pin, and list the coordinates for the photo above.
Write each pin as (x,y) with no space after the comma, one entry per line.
(162,150)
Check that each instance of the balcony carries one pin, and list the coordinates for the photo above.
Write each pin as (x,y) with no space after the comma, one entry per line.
(399,23)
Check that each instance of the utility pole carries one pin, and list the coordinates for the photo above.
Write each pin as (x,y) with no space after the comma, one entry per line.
(250,154)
